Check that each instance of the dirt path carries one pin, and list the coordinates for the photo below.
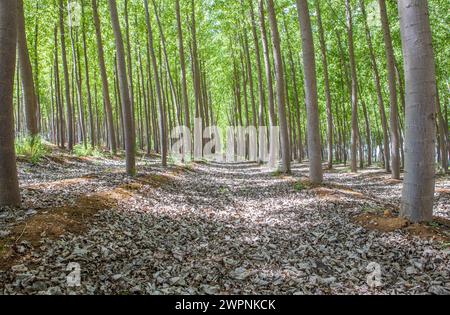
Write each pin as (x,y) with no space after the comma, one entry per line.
(232,229)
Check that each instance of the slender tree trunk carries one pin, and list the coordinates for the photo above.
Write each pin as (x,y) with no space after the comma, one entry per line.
(9,183)
(268,67)
(77,75)
(129,67)
(443,136)
(105,88)
(88,83)
(187,119)
(261,94)
(66,77)
(196,68)
(281,96)
(62,134)
(355,129)
(376,74)
(395,149)
(162,116)
(323,49)
(124,92)
(420,136)
(30,101)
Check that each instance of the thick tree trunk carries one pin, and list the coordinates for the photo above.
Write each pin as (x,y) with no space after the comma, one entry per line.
(105,88)
(420,92)
(281,96)
(30,101)
(124,92)
(309,60)
(9,184)
(395,141)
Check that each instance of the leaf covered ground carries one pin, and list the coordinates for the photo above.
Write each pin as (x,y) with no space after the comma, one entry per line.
(216,229)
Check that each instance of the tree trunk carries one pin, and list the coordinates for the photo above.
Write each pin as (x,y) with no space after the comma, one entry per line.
(314,141)
(386,152)
(323,49)
(355,129)
(183,67)
(66,77)
(105,88)
(124,92)
(9,183)
(30,101)
(162,117)
(268,67)
(395,149)
(420,123)
(281,96)
(88,83)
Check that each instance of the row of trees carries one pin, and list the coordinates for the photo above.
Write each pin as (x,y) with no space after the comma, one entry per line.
(160,65)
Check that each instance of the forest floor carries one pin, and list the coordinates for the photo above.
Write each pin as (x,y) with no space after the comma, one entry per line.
(216,229)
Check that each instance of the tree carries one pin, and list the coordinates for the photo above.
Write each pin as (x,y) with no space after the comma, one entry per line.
(376,74)
(281,96)
(355,129)
(124,92)
(105,86)
(26,73)
(323,49)
(162,116)
(420,122)
(309,62)
(66,77)
(183,66)
(392,79)
(9,183)
(268,67)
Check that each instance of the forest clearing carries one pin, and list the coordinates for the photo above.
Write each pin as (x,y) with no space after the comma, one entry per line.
(211,147)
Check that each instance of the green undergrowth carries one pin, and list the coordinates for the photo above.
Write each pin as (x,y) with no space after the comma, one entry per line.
(32,149)
(81,150)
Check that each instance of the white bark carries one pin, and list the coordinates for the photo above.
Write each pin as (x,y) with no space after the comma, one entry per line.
(309,61)
(420,122)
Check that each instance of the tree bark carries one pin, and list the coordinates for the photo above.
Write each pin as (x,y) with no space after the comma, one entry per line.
(309,60)
(395,141)
(281,95)
(323,49)
(9,183)
(26,72)
(162,116)
(66,77)
(420,123)
(105,88)
(355,128)
(124,92)
(268,67)
(187,119)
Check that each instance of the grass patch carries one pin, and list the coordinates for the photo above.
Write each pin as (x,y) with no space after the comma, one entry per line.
(81,150)
(299,186)
(32,149)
